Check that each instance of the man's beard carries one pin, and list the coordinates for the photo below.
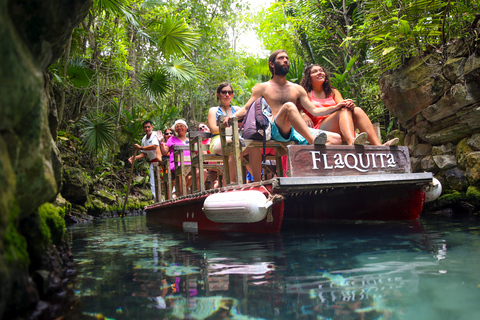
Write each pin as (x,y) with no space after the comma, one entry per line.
(281,70)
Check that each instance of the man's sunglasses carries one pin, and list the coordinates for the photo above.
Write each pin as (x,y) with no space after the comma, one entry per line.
(225,92)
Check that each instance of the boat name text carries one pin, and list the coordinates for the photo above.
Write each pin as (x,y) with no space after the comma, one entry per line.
(361,162)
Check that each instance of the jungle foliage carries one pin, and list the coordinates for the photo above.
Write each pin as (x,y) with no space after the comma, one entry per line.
(132,60)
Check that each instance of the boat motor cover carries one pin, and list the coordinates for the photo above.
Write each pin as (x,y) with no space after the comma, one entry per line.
(237,206)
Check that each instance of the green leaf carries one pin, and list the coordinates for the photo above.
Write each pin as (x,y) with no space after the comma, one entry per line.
(155,83)
(174,36)
(182,69)
(98,132)
(388,50)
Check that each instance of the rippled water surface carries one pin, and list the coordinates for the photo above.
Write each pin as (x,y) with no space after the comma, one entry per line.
(427,269)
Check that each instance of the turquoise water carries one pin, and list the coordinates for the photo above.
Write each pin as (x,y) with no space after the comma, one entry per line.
(427,269)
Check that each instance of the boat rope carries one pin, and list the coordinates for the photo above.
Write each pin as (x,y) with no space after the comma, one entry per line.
(274,198)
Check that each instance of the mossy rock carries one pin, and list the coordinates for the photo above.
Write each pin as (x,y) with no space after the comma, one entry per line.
(146,193)
(54,218)
(94,206)
(15,246)
(76,185)
(397,134)
(473,194)
(105,196)
(462,151)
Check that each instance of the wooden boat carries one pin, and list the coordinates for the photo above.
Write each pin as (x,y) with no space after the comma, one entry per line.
(323,182)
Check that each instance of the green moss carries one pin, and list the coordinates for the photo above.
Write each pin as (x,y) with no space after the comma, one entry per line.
(94,206)
(452,196)
(53,217)
(15,247)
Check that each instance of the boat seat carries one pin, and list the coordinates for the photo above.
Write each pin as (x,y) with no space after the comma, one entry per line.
(280,149)
(201,160)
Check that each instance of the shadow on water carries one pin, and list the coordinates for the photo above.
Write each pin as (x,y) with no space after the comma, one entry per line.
(319,270)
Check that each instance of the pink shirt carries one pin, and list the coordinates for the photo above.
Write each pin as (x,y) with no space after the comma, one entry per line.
(174,141)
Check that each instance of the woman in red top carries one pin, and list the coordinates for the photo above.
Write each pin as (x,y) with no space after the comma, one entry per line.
(341,115)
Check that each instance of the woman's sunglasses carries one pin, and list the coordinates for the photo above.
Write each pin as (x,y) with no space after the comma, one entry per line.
(168,134)
(225,92)
(202,127)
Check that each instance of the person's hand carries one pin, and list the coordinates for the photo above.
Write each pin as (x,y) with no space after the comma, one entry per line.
(307,120)
(137,147)
(226,121)
(160,136)
(349,104)
(130,159)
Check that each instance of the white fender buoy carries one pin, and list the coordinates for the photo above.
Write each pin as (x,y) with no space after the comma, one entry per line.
(433,191)
(236,207)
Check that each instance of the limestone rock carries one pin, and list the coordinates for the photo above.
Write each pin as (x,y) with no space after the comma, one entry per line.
(75,185)
(446,148)
(462,151)
(445,161)
(422,150)
(416,164)
(459,96)
(472,69)
(456,128)
(473,167)
(474,142)
(420,82)
(456,179)
(453,69)
(428,164)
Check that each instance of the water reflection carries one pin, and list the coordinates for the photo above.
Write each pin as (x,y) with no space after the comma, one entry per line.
(384,270)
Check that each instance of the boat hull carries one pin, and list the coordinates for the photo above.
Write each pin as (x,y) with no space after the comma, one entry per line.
(187,213)
(351,203)
(388,197)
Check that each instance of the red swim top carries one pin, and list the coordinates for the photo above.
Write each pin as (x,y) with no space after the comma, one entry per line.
(328,102)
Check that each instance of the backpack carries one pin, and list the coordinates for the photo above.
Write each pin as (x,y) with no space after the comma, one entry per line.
(256,125)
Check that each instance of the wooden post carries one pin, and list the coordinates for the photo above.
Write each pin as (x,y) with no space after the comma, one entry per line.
(129,184)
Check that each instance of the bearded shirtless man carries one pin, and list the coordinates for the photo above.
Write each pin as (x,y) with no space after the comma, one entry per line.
(282,96)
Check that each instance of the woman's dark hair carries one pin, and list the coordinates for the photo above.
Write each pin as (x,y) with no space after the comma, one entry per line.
(223,85)
(306,82)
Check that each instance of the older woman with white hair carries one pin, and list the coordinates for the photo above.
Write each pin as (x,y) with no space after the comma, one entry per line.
(180,127)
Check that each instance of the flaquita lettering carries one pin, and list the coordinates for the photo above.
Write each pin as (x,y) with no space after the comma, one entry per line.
(361,162)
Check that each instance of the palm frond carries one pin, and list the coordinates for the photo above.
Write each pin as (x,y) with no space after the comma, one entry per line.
(116,8)
(78,73)
(174,36)
(155,83)
(182,69)
(98,132)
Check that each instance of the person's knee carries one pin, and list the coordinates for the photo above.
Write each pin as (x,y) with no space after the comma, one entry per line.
(290,107)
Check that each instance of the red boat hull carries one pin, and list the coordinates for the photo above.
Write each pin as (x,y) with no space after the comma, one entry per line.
(404,202)
(187,213)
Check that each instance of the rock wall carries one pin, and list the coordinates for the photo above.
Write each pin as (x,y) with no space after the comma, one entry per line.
(436,98)
(33,34)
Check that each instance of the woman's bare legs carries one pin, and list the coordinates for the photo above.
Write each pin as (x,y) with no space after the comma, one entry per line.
(341,122)
(254,162)
(363,123)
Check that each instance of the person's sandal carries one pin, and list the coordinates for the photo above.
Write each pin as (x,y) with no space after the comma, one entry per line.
(320,138)
(361,139)
(392,143)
